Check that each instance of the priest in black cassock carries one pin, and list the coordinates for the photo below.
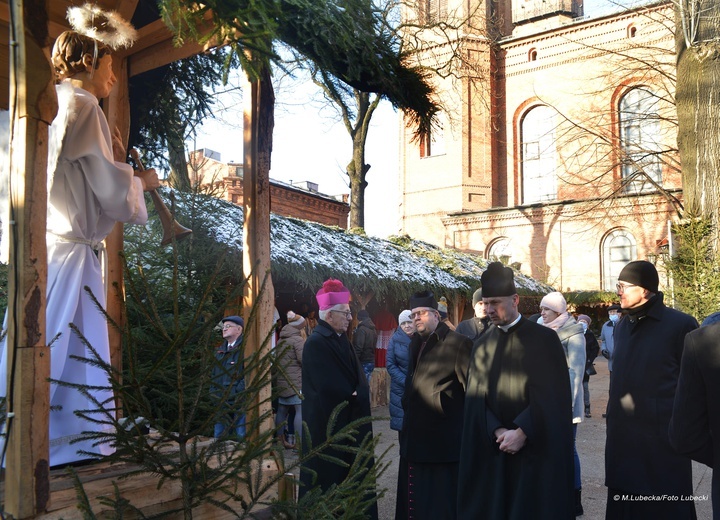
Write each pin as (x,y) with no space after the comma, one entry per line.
(516,459)
(433,405)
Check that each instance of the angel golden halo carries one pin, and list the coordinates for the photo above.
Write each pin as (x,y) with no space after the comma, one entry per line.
(107,27)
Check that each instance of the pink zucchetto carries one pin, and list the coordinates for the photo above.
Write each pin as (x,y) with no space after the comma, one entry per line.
(333,293)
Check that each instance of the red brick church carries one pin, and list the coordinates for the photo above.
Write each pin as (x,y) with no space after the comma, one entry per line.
(557,148)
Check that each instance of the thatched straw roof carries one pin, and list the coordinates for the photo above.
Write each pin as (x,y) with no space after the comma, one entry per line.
(305,254)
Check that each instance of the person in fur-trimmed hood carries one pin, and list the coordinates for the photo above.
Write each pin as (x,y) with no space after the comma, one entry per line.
(289,375)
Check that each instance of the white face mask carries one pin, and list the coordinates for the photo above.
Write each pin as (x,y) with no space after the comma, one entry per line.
(584,326)
(614,318)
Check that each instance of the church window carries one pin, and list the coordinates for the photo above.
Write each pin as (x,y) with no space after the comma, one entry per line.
(532,55)
(640,136)
(432,11)
(618,248)
(538,156)
(500,250)
(631,31)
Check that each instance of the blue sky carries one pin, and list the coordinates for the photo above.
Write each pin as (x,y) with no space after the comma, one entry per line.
(309,144)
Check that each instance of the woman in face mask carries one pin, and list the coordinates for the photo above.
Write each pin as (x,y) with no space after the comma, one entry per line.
(606,333)
(592,349)
(553,311)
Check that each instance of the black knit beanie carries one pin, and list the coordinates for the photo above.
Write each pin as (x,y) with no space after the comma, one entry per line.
(642,273)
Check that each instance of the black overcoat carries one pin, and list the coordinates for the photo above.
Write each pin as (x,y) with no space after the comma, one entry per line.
(646,365)
(331,373)
(434,397)
(695,423)
(517,379)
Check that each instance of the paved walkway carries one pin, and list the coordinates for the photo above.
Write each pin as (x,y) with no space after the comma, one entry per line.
(590,445)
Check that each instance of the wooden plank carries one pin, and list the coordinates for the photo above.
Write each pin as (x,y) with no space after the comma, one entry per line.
(141,490)
(117,108)
(257,132)
(32,106)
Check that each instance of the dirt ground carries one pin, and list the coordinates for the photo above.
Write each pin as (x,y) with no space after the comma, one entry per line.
(590,445)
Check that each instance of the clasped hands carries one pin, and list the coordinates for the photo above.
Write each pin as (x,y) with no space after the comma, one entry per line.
(510,441)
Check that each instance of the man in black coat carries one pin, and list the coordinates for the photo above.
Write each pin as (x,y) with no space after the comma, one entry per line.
(516,460)
(332,375)
(695,421)
(639,460)
(365,342)
(474,327)
(433,405)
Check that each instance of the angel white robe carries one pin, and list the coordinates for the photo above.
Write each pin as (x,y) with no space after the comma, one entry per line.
(88,192)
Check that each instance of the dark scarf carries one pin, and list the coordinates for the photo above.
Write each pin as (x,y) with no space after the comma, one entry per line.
(642,311)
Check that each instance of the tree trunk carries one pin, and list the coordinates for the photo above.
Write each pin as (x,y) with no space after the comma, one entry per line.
(357,169)
(697,98)
(179,177)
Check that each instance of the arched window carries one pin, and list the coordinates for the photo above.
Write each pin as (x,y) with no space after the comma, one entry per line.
(537,134)
(631,31)
(532,54)
(640,134)
(500,250)
(618,248)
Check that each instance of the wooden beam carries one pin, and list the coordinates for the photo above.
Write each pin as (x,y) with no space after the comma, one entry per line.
(126,8)
(33,105)
(155,46)
(117,110)
(162,54)
(258,300)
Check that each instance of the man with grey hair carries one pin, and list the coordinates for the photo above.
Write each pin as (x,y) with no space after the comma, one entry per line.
(332,375)
(433,405)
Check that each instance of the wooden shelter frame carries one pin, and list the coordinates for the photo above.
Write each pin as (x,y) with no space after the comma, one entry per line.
(27,92)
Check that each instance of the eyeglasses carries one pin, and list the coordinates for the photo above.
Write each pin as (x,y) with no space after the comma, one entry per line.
(621,287)
(347,314)
(418,314)
(229,326)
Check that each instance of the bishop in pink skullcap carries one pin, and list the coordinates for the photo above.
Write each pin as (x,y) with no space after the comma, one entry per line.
(333,293)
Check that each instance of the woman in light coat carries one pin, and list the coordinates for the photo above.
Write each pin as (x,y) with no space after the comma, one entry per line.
(288,379)
(553,312)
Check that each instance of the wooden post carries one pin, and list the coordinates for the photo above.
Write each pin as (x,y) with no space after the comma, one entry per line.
(33,106)
(257,138)
(117,110)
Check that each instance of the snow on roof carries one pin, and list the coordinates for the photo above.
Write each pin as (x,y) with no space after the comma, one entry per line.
(467,267)
(307,253)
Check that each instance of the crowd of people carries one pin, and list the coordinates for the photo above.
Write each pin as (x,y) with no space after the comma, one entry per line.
(487,414)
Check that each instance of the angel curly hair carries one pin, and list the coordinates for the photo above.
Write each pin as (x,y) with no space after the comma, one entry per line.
(68,52)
